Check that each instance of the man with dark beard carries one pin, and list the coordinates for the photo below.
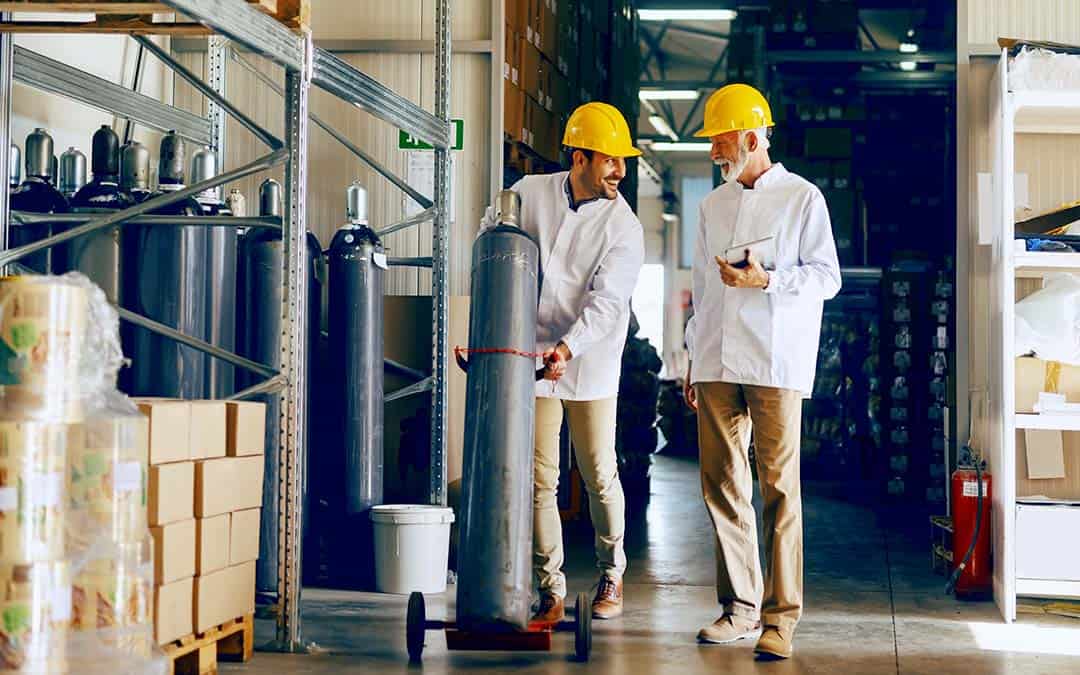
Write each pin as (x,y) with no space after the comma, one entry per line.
(591,251)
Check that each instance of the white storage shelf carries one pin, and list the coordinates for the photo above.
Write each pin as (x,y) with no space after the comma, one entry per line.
(1046,112)
(1038,263)
(1051,422)
(1012,113)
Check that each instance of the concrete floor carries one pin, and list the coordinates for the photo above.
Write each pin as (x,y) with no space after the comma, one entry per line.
(872,606)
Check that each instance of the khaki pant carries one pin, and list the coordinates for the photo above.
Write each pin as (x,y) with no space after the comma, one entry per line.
(592,432)
(725,412)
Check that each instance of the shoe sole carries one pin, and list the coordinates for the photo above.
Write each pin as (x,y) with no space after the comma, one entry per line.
(710,641)
(769,655)
(605,617)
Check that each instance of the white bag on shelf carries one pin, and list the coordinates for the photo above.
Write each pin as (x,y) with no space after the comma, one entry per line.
(1048,321)
(1043,70)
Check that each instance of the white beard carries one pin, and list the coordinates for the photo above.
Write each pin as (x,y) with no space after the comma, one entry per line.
(731,172)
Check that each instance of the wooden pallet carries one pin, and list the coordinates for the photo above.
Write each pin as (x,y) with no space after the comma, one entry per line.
(199,654)
(135,17)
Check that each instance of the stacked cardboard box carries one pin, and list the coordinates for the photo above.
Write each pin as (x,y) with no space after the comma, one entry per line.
(205,496)
(562,53)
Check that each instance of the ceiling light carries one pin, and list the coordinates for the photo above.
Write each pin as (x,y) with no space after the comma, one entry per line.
(662,127)
(908,48)
(668,94)
(681,147)
(907,66)
(687,14)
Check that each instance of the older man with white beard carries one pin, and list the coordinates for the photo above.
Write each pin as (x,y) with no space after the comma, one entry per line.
(765,263)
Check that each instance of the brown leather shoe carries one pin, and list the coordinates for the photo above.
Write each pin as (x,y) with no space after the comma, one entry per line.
(775,643)
(608,602)
(551,610)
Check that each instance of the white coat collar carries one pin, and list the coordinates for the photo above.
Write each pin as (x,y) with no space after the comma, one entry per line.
(775,174)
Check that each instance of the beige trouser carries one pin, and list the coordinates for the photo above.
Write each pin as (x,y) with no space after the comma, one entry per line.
(592,432)
(725,412)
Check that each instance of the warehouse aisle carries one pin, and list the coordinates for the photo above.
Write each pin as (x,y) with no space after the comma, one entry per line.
(873,606)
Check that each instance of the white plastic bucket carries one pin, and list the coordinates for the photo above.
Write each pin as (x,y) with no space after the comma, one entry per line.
(412,547)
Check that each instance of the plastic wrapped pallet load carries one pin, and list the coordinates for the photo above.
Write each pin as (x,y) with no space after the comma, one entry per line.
(43,324)
(35,604)
(75,552)
(108,474)
(32,504)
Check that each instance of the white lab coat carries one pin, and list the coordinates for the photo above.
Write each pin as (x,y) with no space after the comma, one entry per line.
(753,336)
(590,260)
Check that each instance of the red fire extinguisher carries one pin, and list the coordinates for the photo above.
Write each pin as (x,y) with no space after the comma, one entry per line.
(972,571)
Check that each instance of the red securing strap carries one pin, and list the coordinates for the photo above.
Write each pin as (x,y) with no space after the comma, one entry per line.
(497,350)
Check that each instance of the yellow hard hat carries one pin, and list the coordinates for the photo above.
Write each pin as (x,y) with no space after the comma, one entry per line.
(600,127)
(735,107)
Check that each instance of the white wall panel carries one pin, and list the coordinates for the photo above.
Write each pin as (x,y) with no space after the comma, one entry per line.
(367,19)
(1054,20)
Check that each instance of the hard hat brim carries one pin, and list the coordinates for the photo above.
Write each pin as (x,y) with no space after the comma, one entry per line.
(625,153)
(709,133)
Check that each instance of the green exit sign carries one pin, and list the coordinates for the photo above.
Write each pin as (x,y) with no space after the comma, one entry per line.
(407,142)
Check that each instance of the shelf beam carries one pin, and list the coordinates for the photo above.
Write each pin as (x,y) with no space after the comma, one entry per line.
(246,25)
(339,137)
(107,220)
(349,84)
(40,72)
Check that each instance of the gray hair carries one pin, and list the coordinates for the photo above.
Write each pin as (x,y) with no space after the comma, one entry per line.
(762,134)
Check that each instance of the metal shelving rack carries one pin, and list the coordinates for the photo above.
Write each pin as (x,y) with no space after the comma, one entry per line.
(305,65)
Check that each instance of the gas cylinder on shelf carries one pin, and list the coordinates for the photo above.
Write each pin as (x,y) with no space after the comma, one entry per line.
(164,278)
(969,513)
(220,275)
(357,267)
(14,167)
(72,172)
(36,194)
(97,255)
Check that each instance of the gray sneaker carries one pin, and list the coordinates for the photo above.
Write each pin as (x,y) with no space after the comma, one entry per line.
(729,628)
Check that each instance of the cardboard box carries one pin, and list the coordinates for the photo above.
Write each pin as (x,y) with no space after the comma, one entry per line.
(549,31)
(224,595)
(515,14)
(513,112)
(512,57)
(244,536)
(173,610)
(1045,454)
(174,551)
(531,31)
(170,493)
(560,94)
(227,484)
(212,539)
(1036,375)
(208,425)
(532,72)
(245,428)
(170,422)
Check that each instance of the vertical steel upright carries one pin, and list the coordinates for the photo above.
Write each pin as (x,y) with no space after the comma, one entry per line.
(217,58)
(7,68)
(440,292)
(293,363)
(222,253)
